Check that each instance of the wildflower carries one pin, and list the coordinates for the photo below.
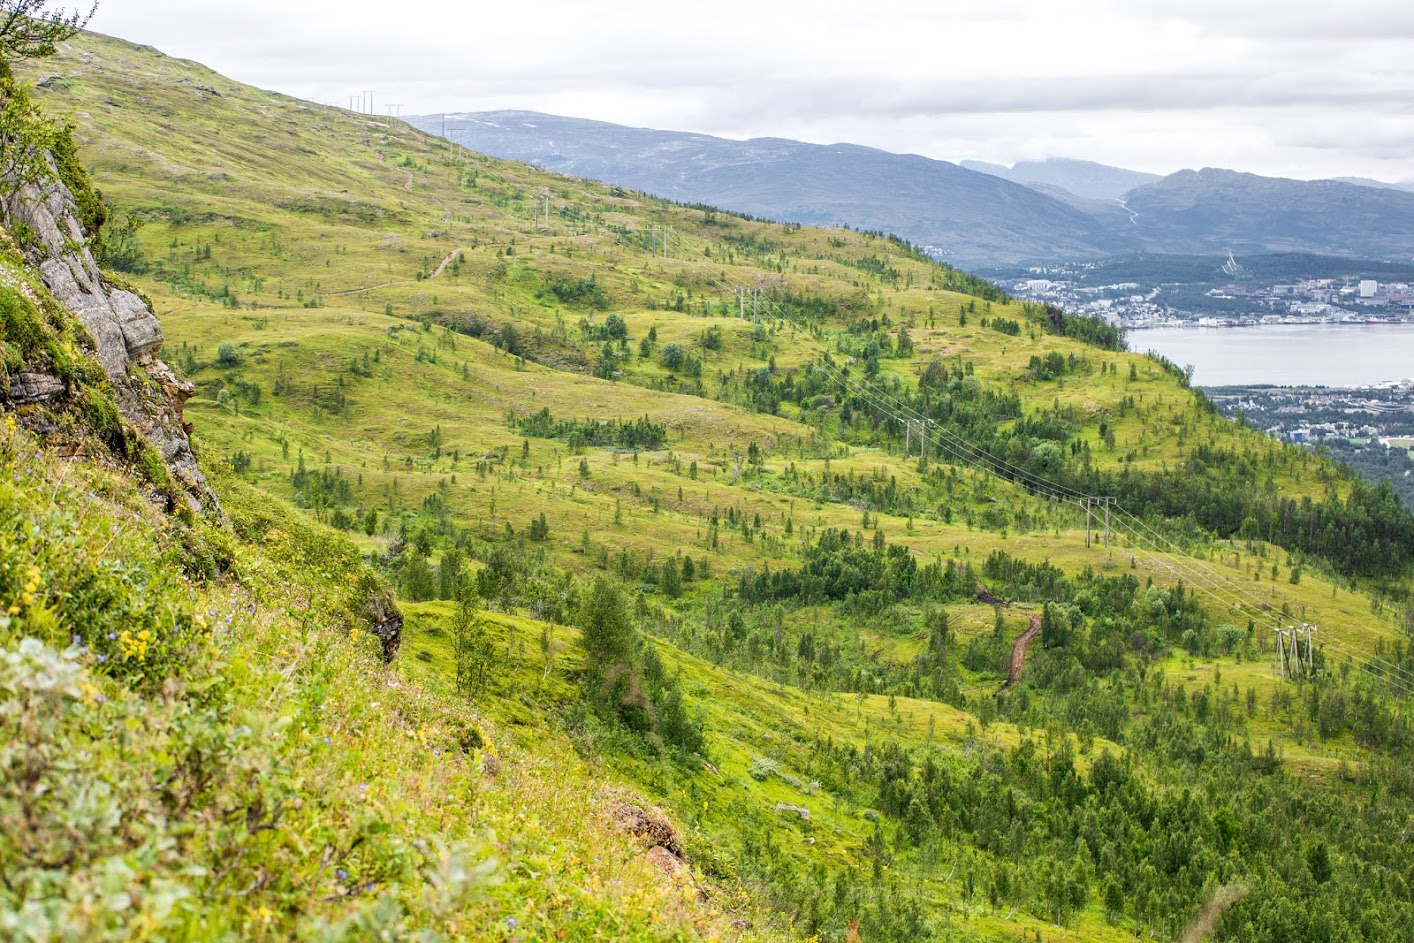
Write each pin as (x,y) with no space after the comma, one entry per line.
(341,874)
(327,741)
(31,586)
(511,922)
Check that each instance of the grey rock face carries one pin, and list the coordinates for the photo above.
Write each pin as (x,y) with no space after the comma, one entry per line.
(124,329)
(34,388)
(385,620)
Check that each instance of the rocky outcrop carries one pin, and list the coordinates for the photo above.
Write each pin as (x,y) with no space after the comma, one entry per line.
(125,331)
(385,620)
(27,388)
(647,824)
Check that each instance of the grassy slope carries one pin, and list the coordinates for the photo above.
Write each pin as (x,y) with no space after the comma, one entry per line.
(197,746)
(302,205)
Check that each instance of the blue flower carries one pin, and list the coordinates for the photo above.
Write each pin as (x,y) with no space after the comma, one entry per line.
(341,874)
(510,921)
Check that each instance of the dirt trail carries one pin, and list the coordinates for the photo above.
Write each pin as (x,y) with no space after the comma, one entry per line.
(359,291)
(1018,651)
(451,256)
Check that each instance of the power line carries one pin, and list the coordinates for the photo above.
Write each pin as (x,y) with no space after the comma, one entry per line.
(1216,585)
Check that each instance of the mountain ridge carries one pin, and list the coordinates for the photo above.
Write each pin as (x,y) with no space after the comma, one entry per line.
(778,178)
(1050,210)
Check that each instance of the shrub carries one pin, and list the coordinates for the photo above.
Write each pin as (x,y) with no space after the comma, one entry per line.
(228,355)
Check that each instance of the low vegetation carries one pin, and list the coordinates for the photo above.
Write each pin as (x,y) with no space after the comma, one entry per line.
(701,641)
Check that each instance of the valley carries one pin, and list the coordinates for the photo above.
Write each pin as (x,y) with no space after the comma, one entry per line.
(727,526)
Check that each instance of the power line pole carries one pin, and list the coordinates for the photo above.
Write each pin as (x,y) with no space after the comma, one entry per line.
(1090,504)
(922,426)
(1295,658)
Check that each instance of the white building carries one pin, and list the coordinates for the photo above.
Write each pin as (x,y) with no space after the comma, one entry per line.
(1368,287)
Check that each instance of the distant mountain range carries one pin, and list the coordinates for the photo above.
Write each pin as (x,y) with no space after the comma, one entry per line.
(975,214)
(1085,179)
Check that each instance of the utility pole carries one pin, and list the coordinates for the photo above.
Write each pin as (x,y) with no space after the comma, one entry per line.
(1090,504)
(1295,658)
(922,426)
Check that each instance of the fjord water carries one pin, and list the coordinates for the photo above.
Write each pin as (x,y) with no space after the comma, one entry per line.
(1286,354)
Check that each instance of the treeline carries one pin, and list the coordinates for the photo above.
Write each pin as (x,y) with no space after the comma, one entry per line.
(873,575)
(1366,533)
(641,433)
(1093,331)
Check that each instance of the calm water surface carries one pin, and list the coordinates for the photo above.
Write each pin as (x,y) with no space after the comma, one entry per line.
(1286,354)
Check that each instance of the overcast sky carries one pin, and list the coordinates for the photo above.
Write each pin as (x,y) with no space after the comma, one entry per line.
(1282,87)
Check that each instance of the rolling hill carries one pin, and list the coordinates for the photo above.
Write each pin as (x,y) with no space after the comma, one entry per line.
(697,640)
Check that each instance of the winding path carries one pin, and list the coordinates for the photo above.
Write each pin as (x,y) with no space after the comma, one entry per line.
(1018,651)
(451,256)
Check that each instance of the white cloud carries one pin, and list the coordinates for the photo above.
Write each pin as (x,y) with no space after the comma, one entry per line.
(1271,87)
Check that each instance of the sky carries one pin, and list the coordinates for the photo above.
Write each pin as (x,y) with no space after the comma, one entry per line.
(1290,88)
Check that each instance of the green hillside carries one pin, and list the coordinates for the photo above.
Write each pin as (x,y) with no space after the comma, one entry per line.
(638,475)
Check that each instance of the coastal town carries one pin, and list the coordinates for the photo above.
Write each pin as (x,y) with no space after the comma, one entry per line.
(1370,428)
(1231,297)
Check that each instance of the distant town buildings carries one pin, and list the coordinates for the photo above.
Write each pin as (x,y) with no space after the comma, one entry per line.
(1315,300)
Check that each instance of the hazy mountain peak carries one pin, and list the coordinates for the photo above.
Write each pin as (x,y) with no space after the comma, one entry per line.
(1083,178)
